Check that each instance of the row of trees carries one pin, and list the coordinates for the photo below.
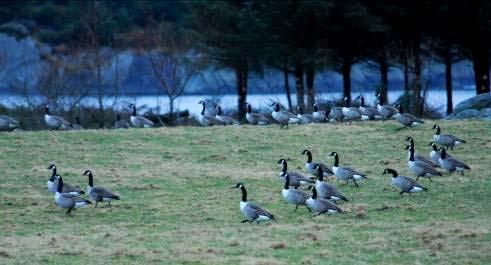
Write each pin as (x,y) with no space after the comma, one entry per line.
(299,38)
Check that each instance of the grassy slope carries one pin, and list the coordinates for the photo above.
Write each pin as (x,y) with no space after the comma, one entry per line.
(177,207)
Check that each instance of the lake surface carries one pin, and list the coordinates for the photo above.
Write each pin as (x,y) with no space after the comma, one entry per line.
(435,98)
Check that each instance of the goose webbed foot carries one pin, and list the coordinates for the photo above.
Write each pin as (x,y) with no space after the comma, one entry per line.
(417,178)
(430,179)
(246,221)
(308,208)
(401,193)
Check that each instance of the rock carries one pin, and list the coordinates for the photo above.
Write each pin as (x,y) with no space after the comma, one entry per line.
(468,113)
(485,113)
(478,102)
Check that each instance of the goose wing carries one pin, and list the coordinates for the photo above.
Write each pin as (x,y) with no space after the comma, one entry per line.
(450,138)
(255,211)
(458,163)
(427,168)
(61,121)
(69,188)
(74,198)
(325,168)
(144,120)
(104,193)
(332,191)
(425,160)
(410,183)
(297,178)
(353,172)
(327,205)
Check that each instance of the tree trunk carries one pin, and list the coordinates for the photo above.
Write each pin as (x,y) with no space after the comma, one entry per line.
(480,61)
(287,84)
(299,85)
(406,75)
(309,76)
(417,105)
(241,82)
(346,72)
(384,79)
(448,80)
(171,111)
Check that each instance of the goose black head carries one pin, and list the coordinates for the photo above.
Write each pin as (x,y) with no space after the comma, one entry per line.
(444,152)
(276,106)
(47,109)
(281,161)
(87,173)
(409,138)
(334,154)
(51,166)
(219,110)
(305,152)
(435,126)
(399,107)
(407,147)
(78,120)
(238,186)
(433,145)
(390,171)
(300,110)
(249,108)
(316,108)
(201,102)
(317,166)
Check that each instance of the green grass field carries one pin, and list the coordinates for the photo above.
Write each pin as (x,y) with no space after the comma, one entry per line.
(177,207)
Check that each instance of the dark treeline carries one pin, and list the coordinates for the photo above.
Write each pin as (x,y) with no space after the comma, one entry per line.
(298,38)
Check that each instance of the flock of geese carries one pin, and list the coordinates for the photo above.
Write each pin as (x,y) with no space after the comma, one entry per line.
(325,196)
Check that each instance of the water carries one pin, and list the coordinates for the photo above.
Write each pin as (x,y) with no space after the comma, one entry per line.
(435,98)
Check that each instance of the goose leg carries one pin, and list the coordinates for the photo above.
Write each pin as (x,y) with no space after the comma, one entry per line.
(417,178)
(462,172)
(402,192)
(430,179)
(245,221)
(308,208)
(69,211)
(356,184)
(296,207)
(95,205)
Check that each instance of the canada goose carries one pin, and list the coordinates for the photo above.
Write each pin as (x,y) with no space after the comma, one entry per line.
(417,156)
(53,184)
(386,111)
(98,194)
(225,120)
(406,119)
(350,113)
(325,189)
(405,184)
(345,173)
(256,118)
(120,124)
(310,166)
(296,197)
(446,140)
(335,114)
(283,117)
(77,125)
(206,120)
(296,179)
(252,212)
(451,164)
(318,115)
(367,113)
(66,200)
(435,154)
(139,121)
(320,206)
(56,122)
(420,169)
(8,123)
(304,118)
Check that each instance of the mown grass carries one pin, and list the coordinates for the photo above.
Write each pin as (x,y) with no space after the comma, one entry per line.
(177,207)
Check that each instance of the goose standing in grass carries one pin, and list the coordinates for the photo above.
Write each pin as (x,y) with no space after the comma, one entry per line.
(403,183)
(8,123)
(367,113)
(435,154)
(350,113)
(420,169)
(252,212)
(406,119)
(225,120)
(283,117)
(417,156)
(327,190)
(446,140)
(139,121)
(387,111)
(98,194)
(304,118)
(66,200)
(77,125)
(296,179)
(120,124)
(320,206)
(67,188)
(56,122)
(294,196)
(345,173)
(255,118)
(206,120)
(451,164)
(310,166)
(318,115)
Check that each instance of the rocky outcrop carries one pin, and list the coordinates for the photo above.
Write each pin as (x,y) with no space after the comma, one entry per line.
(478,107)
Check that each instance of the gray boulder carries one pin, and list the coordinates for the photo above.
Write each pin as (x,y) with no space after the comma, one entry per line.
(467,114)
(478,102)
(485,113)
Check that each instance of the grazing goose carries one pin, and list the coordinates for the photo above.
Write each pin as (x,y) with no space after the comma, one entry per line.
(446,140)
(320,206)
(335,114)
(417,156)
(252,212)
(304,118)
(225,120)
(120,124)
(350,113)
(403,183)
(8,123)
(345,173)
(310,166)
(327,190)
(66,200)
(56,122)
(367,113)
(98,194)
(255,118)
(296,179)
(139,121)
(386,111)
(435,154)
(283,117)
(296,197)
(406,119)
(53,184)
(206,120)
(451,164)
(420,169)
(77,126)
(318,115)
